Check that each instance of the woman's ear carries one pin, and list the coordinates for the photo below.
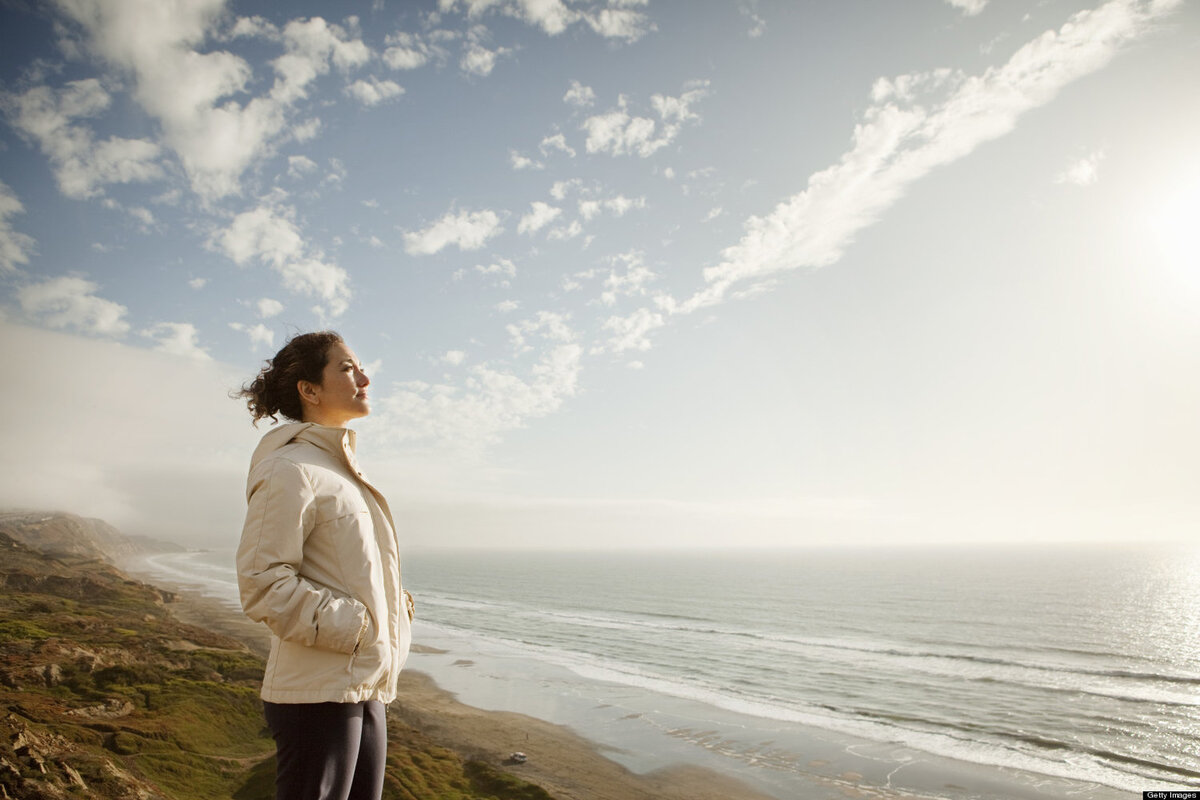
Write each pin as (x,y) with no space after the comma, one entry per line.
(308,392)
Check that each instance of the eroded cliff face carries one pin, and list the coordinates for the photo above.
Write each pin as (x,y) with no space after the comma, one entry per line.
(106,694)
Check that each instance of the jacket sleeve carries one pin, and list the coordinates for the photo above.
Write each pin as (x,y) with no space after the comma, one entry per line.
(280,514)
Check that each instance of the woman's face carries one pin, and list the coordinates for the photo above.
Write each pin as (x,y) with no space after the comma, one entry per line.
(342,394)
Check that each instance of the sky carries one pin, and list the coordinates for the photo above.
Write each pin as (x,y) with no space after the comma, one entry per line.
(624,273)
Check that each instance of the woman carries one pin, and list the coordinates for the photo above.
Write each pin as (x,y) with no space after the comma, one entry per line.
(319,563)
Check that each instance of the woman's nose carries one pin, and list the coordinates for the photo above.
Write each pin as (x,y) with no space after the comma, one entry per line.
(363,380)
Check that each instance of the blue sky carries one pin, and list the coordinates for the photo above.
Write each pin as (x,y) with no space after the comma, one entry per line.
(625,273)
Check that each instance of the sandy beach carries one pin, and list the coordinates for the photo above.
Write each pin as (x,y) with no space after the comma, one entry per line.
(572,766)
(562,762)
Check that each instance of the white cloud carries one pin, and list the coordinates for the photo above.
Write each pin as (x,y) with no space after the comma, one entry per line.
(177,339)
(501,266)
(618,133)
(192,94)
(678,109)
(374,91)
(81,165)
(306,130)
(262,234)
(253,27)
(258,333)
(909,131)
(299,166)
(519,161)
(268,235)
(552,16)
(454,357)
(478,59)
(758,25)
(620,23)
(467,230)
(556,142)
(631,332)
(15,247)
(580,95)
(313,46)
(507,306)
(181,87)
(198,283)
(619,205)
(540,215)
(410,51)
(545,324)
(968,7)
(1082,172)
(268,308)
(562,233)
(629,283)
(560,188)
(70,302)
(491,402)
(713,213)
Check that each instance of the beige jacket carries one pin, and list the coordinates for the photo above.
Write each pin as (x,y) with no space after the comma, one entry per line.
(320,565)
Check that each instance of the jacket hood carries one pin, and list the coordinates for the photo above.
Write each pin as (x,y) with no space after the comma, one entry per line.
(323,436)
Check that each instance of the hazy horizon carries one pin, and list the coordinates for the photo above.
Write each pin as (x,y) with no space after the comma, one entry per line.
(625,274)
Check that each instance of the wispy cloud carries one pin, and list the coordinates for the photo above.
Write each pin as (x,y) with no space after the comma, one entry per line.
(15,247)
(579,95)
(969,7)
(70,301)
(177,339)
(1082,171)
(520,161)
(82,165)
(554,16)
(467,230)
(617,132)
(192,94)
(373,91)
(556,142)
(268,235)
(411,51)
(259,334)
(916,124)
(540,215)
(493,400)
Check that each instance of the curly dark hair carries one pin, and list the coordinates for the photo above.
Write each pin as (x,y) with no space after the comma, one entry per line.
(302,358)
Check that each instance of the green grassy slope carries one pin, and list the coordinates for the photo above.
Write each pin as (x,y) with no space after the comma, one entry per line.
(105,694)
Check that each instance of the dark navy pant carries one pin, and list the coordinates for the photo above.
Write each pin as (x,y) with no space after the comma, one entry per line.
(328,751)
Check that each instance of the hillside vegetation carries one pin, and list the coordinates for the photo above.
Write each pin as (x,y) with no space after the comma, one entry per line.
(106,695)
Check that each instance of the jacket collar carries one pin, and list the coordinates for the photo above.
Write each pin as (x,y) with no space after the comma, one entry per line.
(338,442)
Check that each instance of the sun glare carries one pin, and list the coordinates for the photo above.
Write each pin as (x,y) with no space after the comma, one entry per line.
(1175,227)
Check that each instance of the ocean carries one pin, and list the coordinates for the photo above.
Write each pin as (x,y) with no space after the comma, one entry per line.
(947,673)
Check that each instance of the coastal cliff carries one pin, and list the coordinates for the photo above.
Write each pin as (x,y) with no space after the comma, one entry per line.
(107,694)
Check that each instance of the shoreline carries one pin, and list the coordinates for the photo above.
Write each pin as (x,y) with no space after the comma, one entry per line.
(481,704)
(564,763)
